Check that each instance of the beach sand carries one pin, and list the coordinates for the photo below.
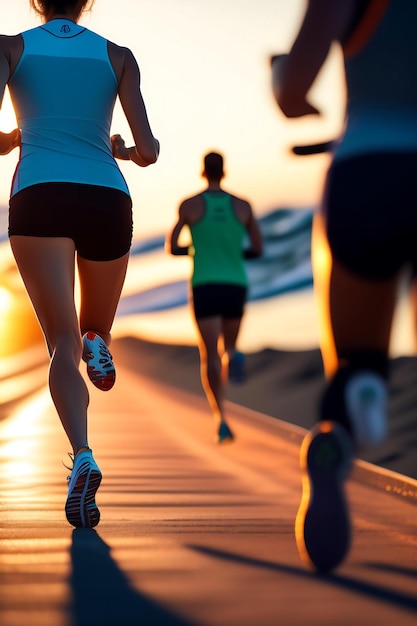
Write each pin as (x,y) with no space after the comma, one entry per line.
(286,385)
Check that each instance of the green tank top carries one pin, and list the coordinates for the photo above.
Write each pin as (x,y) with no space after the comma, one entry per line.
(218,243)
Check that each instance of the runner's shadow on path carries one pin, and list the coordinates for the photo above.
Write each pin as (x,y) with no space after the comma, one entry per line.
(369,589)
(394,569)
(101,592)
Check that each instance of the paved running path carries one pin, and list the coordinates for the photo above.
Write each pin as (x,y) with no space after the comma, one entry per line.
(192,533)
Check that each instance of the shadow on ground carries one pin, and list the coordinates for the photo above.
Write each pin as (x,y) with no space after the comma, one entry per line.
(360,587)
(102,594)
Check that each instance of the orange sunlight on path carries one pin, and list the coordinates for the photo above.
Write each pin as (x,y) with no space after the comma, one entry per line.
(19,328)
(191,533)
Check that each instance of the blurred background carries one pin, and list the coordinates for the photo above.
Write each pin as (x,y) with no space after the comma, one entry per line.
(206,83)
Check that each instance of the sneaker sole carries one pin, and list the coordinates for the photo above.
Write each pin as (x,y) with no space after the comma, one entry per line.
(104,383)
(81,509)
(322,527)
(102,377)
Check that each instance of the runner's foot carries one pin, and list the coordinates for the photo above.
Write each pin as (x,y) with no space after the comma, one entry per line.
(366,398)
(85,478)
(100,367)
(224,434)
(322,526)
(237,373)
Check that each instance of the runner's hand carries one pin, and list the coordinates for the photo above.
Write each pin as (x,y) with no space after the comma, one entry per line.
(118,147)
(9,141)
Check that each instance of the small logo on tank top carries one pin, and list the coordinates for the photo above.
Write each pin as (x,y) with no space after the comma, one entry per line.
(219,214)
(65,29)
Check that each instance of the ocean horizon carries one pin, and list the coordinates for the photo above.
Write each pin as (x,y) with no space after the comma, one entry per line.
(280,312)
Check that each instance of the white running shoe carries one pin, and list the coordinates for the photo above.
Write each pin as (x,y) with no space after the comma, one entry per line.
(366,401)
(85,478)
(100,367)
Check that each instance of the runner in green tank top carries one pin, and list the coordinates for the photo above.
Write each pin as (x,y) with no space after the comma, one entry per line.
(217,241)
(218,222)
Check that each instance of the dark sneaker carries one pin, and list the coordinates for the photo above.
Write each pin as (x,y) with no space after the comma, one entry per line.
(81,508)
(100,367)
(237,372)
(322,526)
(224,434)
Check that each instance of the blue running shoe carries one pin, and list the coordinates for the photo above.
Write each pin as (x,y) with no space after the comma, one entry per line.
(224,434)
(237,372)
(85,478)
(322,526)
(100,367)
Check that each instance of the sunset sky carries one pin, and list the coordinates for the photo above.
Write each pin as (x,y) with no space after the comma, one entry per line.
(206,85)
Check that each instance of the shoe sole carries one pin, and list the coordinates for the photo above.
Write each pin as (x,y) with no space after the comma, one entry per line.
(322,527)
(81,509)
(104,383)
(102,376)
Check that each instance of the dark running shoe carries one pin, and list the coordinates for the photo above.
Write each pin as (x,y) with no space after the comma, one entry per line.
(85,478)
(322,526)
(224,434)
(237,372)
(100,367)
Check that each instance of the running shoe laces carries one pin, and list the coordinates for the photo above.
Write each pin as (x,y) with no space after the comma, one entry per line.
(100,367)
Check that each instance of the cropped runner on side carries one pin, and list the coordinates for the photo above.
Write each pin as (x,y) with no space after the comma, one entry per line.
(70,205)
(368,220)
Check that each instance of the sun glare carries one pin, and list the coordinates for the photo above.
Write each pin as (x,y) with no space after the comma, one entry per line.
(19,328)
(6,301)
(7,116)
(19,437)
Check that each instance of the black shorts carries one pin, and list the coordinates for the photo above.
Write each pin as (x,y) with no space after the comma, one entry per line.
(370,206)
(98,219)
(219,299)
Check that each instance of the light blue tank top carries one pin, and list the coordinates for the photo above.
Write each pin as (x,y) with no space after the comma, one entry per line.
(381,85)
(63,91)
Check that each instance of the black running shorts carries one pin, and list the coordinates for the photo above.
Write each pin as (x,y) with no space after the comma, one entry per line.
(98,219)
(370,206)
(219,299)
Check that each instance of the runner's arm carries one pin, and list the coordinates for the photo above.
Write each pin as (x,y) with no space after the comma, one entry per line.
(146,148)
(255,237)
(325,21)
(8,141)
(171,245)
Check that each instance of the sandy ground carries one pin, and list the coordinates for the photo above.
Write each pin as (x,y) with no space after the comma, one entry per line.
(287,385)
